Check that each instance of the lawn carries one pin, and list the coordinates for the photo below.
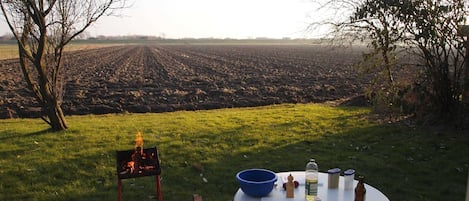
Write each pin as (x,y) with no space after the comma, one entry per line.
(201,151)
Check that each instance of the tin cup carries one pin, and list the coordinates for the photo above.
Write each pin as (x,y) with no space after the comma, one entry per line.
(333,178)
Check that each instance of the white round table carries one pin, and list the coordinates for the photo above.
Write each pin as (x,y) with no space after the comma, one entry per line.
(324,193)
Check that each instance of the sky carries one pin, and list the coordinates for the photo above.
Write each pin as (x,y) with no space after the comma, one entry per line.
(208,19)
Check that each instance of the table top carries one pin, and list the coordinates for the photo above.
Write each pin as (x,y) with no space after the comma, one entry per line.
(324,193)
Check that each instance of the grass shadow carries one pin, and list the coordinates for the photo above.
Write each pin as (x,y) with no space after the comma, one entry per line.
(201,155)
(403,166)
(9,135)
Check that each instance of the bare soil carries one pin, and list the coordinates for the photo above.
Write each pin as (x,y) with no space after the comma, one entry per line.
(162,78)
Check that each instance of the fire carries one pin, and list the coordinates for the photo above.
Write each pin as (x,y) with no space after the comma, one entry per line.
(140,161)
(138,156)
(139,141)
(131,166)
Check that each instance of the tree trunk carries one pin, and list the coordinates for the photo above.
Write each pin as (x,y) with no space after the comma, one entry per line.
(52,109)
(56,116)
(43,94)
(465,93)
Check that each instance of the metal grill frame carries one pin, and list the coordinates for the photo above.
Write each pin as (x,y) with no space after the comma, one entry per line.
(122,157)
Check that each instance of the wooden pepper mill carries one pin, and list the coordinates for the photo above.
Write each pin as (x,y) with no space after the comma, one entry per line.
(290,187)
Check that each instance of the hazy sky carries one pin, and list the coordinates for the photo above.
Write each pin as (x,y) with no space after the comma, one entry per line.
(208,18)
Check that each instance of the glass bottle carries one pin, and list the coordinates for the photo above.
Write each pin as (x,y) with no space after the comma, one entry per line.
(360,191)
(311,180)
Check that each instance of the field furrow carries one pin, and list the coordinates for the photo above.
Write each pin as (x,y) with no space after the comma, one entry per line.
(157,78)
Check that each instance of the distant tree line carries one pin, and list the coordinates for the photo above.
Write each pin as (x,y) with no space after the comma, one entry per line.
(86,36)
(7,37)
(125,37)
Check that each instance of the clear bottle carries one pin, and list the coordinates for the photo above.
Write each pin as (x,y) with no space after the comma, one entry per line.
(311,180)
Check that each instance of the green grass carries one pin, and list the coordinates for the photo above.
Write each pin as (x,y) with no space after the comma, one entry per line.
(79,164)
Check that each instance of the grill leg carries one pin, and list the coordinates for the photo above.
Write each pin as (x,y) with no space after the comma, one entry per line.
(158,189)
(119,189)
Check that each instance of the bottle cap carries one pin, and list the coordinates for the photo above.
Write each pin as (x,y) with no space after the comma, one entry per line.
(334,171)
(361,178)
(349,172)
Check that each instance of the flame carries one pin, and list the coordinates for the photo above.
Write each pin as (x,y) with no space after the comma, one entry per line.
(135,164)
(131,166)
(139,141)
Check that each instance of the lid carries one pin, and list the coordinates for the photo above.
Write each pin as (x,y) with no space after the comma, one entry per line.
(361,179)
(334,171)
(349,172)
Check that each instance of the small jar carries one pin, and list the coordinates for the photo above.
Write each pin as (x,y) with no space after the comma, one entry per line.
(349,176)
(333,178)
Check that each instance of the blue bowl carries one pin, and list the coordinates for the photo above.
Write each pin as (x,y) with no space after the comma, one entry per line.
(256,182)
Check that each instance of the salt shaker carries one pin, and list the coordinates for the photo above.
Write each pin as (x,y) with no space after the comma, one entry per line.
(349,175)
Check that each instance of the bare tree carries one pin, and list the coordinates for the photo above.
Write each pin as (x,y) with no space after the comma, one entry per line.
(426,27)
(432,27)
(352,21)
(42,28)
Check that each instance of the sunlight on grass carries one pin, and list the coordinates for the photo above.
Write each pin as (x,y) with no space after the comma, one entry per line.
(201,152)
(10,51)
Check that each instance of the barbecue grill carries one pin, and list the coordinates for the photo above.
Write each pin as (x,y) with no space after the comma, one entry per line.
(138,163)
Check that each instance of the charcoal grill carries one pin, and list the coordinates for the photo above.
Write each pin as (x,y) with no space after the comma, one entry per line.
(138,163)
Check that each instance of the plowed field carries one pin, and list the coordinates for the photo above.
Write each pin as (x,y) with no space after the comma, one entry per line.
(159,78)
